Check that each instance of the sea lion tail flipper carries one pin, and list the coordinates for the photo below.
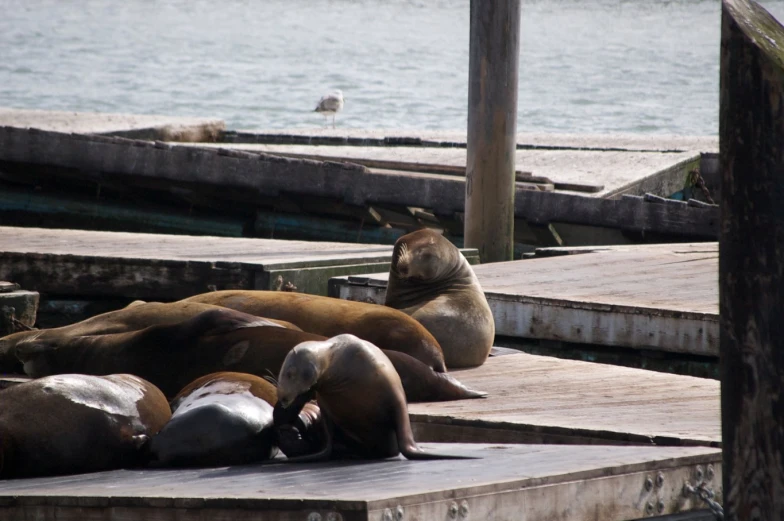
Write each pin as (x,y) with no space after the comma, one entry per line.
(460,390)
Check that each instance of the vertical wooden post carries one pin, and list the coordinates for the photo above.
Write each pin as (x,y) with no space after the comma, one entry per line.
(751,261)
(492,124)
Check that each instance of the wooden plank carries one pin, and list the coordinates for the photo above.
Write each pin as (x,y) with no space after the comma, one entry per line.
(662,297)
(457,139)
(165,128)
(269,176)
(539,399)
(557,483)
(599,173)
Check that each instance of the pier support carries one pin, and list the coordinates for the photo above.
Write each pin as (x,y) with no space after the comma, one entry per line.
(492,126)
(751,261)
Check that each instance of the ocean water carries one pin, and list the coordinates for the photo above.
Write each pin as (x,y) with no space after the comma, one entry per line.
(586,66)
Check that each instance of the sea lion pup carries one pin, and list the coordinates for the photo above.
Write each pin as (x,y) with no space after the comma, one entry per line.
(430,280)
(358,391)
(69,424)
(385,327)
(219,419)
(171,355)
(137,315)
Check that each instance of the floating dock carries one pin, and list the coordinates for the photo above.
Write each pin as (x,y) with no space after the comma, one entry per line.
(661,298)
(128,125)
(542,399)
(565,195)
(508,482)
(170,267)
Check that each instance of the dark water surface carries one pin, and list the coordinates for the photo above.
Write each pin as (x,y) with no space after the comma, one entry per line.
(641,66)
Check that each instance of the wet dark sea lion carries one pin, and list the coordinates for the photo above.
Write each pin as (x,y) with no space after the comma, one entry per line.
(430,280)
(72,423)
(385,327)
(137,315)
(359,393)
(219,419)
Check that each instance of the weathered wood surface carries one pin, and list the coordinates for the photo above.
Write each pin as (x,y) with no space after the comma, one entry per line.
(751,264)
(553,483)
(593,173)
(540,399)
(493,58)
(152,266)
(457,139)
(129,125)
(259,175)
(662,297)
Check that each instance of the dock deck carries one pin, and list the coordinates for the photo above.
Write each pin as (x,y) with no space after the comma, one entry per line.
(169,267)
(128,125)
(656,297)
(541,399)
(553,483)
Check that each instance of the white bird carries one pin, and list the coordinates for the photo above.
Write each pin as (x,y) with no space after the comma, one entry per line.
(330,104)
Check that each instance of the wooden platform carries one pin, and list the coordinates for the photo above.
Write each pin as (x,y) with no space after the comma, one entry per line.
(540,399)
(169,267)
(226,177)
(128,125)
(660,297)
(552,483)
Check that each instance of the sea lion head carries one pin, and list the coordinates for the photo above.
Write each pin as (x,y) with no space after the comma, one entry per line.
(424,256)
(300,373)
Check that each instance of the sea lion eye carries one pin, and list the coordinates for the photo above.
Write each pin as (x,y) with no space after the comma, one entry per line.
(308,374)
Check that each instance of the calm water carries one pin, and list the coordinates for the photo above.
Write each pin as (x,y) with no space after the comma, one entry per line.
(644,66)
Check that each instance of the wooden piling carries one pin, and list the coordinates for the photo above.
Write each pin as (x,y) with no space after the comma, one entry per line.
(751,261)
(492,125)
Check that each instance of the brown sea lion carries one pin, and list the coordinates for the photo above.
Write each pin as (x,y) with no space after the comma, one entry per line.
(172,355)
(430,280)
(385,327)
(69,424)
(137,315)
(219,419)
(209,339)
(358,391)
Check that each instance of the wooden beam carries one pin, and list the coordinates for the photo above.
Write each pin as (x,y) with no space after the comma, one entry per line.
(751,260)
(492,125)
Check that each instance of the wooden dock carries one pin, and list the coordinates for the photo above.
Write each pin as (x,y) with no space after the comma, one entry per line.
(169,267)
(573,196)
(542,399)
(541,483)
(128,125)
(648,297)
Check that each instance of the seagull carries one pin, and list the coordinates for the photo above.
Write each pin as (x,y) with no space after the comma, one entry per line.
(330,104)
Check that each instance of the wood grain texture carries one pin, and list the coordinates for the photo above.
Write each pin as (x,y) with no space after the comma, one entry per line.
(751,265)
(558,483)
(662,297)
(572,401)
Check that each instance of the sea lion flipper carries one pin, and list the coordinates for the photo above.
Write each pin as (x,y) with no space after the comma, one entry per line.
(325,453)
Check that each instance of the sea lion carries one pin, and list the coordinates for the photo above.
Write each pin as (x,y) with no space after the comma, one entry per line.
(219,419)
(171,355)
(69,424)
(358,391)
(430,280)
(209,339)
(137,315)
(385,327)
